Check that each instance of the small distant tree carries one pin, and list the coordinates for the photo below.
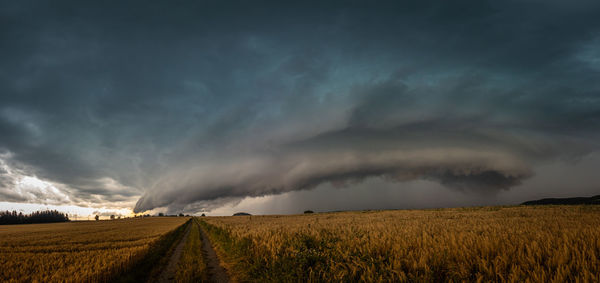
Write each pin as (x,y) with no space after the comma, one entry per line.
(112,217)
(161,214)
(203,214)
(180,214)
(308,212)
(119,217)
(97,217)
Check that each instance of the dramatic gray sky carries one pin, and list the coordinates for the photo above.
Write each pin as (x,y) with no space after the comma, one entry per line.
(274,106)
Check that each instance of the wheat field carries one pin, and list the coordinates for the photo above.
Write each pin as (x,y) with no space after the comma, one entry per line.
(504,244)
(78,251)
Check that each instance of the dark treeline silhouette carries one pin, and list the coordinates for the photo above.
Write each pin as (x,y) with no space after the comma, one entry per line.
(47,216)
(572,201)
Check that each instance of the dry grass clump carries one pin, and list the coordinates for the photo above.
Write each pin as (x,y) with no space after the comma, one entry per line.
(78,251)
(516,244)
(191,266)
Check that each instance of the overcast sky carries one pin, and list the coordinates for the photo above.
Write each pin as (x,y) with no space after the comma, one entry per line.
(277,107)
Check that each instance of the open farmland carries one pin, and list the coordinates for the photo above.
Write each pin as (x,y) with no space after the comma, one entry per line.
(500,244)
(83,251)
(516,244)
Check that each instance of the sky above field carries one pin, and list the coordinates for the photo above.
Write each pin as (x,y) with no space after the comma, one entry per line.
(277,107)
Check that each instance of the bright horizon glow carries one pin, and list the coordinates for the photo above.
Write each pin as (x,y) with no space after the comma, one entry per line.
(75,212)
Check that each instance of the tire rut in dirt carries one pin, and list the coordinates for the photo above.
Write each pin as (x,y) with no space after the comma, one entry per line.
(168,274)
(216,273)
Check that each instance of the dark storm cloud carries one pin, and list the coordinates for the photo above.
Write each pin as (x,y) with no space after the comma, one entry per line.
(458,168)
(193,103)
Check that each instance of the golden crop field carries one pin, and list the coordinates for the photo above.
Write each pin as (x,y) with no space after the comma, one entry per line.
(78,251)
(506,244)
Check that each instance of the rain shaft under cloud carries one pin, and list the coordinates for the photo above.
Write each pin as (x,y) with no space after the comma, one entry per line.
(189,106)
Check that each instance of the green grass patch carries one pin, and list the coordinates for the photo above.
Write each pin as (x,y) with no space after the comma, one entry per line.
(191,266)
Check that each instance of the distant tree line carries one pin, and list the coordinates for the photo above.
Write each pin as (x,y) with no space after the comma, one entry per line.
(47,216)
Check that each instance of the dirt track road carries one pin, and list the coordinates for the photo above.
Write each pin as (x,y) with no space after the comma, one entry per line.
(168,274)
(216,273)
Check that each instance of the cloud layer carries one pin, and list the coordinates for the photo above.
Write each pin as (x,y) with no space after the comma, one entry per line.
(211,102)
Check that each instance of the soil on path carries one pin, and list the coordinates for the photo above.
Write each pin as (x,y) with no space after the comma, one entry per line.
(168,274)
(216,273)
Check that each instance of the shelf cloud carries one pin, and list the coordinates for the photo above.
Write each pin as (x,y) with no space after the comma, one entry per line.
(126,105)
